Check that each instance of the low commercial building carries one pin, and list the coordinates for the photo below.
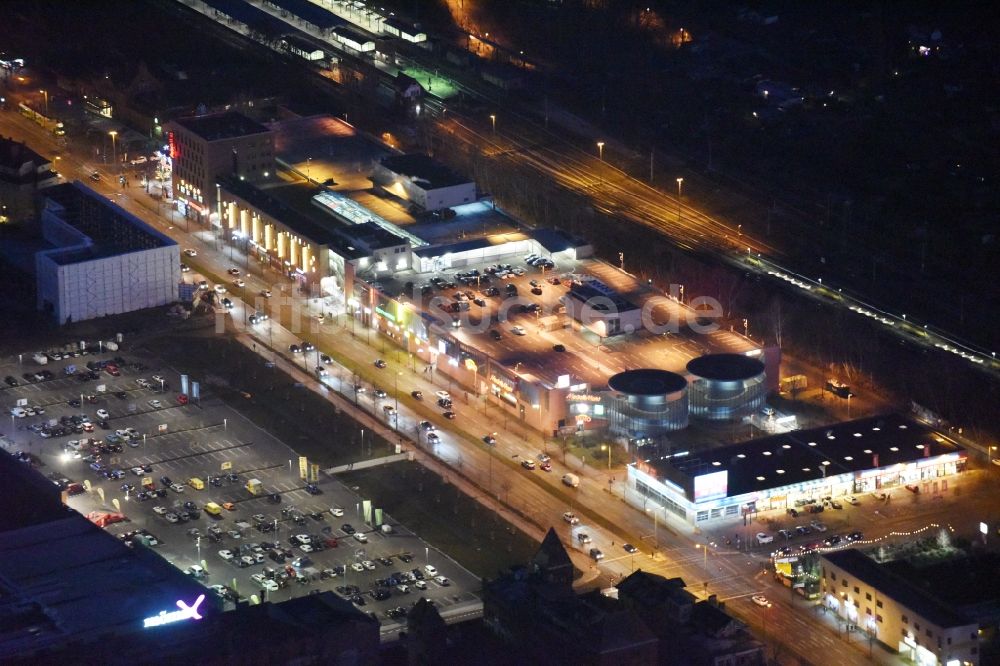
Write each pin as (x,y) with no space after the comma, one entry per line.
(307,248)
(602,311)
(405,31)
(774,473)
(69,587)
(895,612)
(105,260)
(205,148)
(425,182)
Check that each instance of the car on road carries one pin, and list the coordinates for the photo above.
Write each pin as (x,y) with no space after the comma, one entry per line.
(308,347)
(182,399)
(380,393)
(450,415)
(360,537)
(528,464)
(853,501)
(336,511)
(818,526)
(518,330)
(629,548)
(596,554)
(803,530)
(417,395)
(490,439)
(430,570)
(832,540)
(379,363)
(235,272)
(442,581)
(188,252)
(220,289)
(266,293)
(155,404)
(571,518)
(761,600)
(160,510)
(347,528)
(172,517)
(177,487)
(313,489)
(227,303)
(583,538)
(855,536)
(102,414)
(785,533)
(546,467)
(764,537)
(325,360)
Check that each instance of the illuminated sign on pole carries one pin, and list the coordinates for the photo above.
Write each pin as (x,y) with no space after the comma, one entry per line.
(185,613)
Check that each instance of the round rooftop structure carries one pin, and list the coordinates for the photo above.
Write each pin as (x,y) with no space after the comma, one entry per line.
(725,367)
(726,387)
(647,403)
(647,382)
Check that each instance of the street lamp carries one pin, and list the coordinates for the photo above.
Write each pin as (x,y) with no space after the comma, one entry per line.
(309,169)
(990,454)
(46,93)
(493,119)
(114,145)
(746,328)
(608,447)
(680,182)
(600,150)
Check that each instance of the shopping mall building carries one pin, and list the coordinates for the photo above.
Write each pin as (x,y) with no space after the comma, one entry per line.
(873,454)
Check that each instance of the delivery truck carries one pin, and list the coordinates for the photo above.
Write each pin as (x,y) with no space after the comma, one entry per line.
(255,487)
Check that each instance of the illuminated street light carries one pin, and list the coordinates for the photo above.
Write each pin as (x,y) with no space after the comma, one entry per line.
(600,150)
(46,93)
(608,447)
(114,145)
(680,182)
(493,119)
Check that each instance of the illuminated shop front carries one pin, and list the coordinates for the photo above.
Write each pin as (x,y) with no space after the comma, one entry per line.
(789,470)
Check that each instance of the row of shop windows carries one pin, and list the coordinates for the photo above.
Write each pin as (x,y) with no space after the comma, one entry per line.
(659,498)
(731,510)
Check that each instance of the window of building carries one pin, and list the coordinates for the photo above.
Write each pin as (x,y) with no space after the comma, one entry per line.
(929,633)
(857,590)
(844,582)
(916,625)
(868,610)
(868,596)
(905,619)
(878,617)
(878,603)
(833,575)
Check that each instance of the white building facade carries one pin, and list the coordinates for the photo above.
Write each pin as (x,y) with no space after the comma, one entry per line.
(106,260)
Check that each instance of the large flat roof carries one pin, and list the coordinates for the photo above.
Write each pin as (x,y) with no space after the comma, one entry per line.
(111,229)
(319,230)
(219,126)
(872,573)
(62,578)
(801,455)
(424,170)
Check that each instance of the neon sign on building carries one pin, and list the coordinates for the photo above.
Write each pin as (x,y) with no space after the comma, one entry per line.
(185,613)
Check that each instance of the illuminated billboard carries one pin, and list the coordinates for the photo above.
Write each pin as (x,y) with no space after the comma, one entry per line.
(711,486)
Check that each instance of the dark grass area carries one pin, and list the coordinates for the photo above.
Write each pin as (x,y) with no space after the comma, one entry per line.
(440,513)
(444,516)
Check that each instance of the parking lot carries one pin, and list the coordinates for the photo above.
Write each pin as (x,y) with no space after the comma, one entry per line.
(162,462)
(513,312)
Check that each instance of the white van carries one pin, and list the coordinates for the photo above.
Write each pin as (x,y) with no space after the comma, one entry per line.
(571,480)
